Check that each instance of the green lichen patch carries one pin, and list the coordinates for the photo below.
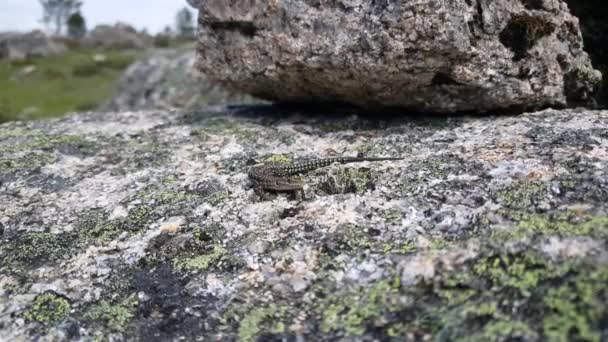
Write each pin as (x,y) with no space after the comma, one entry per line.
(201,262)
(261,319)
(34,249)
(589,186)
(405,247)
(139,218)
(95,229)
(562,224)
(349,238)
(194,248)
(523,195)
(503,295)
(497,296)
(115,317)
(48,308)
(348,180)
(576,309)
(35,150)
(17,131)
(361,309)
(67,144)
(217,198)
(249,319)
(25,163)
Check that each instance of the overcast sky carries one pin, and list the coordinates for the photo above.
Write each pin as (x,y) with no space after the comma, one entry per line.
(154,15)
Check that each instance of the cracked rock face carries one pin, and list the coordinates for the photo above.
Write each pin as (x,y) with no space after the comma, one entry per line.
(143,226)
(428,55)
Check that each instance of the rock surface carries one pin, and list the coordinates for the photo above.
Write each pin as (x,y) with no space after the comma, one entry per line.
(118,36)
(166,79)
(143,226)
(425,55)
(19,46)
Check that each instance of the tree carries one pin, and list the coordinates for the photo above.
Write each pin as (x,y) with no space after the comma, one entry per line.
(184,23)
(56,12)
(77,26)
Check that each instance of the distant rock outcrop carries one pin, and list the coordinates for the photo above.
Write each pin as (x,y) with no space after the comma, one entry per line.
(118,36)
(15,45)
(426,55)
(167,79)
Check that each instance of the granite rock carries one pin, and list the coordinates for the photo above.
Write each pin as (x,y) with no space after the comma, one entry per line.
(20,46)
(425,55)
(143,226)
(117,36)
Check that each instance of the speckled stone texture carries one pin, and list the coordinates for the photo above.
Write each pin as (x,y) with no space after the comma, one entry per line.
(428,55)
(143,226)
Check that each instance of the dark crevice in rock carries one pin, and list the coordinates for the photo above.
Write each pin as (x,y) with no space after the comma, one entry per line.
(245,28)
(476,24)
(594,27)
(522,32)
(534,4)
(442,78)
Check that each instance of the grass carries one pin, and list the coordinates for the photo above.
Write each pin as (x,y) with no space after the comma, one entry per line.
(53,86)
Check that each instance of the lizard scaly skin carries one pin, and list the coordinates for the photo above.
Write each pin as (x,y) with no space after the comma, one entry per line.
(285,177)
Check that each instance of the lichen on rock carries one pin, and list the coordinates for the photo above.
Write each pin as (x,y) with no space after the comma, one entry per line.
(490,228)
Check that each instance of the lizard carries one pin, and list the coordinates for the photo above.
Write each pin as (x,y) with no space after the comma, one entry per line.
(285,176)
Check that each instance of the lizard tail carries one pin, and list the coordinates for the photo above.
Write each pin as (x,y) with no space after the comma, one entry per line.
(362,159)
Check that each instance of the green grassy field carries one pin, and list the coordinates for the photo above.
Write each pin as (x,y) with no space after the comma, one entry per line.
(50,87)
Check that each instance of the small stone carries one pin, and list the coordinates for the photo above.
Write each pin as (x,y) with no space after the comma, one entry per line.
(172,225)
(119,212)
(298,283)
(258,247)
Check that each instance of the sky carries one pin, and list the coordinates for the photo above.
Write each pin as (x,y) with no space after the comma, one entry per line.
(153,15)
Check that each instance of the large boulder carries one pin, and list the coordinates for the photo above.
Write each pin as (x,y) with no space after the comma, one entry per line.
(427,55)
(143,226)
(118,36)
(28,45)
(166,79)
